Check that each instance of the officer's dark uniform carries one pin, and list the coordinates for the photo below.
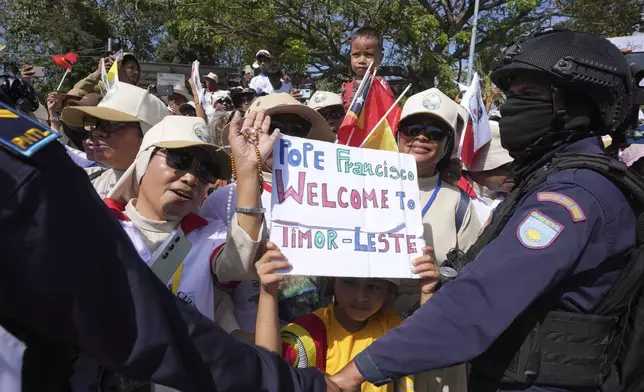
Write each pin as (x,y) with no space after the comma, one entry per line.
(72,280)
(556,250)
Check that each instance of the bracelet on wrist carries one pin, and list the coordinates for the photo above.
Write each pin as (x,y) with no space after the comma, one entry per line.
(250,210)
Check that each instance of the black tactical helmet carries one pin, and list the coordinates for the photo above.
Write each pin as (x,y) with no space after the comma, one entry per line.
(573,61)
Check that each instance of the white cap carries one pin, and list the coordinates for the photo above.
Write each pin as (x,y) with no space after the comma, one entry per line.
(221,94)
(188,104)
(434,103)
(491,155)
(324,99)
(172,132)
(263,53)
(182,90)
(122,103)
(212,76)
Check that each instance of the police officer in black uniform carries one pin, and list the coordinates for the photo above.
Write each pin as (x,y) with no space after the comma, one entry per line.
(543,301)
(69,287)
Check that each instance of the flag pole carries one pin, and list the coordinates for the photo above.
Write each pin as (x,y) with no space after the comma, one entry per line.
(373,77)
(387,113)
(63,79)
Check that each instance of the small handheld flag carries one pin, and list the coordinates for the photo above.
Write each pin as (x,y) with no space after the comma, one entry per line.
(477,133)
(65,60)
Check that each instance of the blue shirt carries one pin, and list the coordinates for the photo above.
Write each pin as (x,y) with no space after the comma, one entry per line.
(466,316)
(71,278)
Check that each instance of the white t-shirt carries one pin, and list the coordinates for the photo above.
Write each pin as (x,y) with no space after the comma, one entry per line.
(285,88)
(261,84)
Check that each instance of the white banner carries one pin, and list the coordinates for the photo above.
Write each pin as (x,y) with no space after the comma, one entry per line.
(634,43)
(194,75)
(345,211)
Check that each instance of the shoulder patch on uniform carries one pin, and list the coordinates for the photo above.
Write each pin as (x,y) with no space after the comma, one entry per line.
(575,211)
(538,230)
(21,134)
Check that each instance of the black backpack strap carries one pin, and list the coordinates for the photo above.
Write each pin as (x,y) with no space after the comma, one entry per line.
(461,209)
(96,174)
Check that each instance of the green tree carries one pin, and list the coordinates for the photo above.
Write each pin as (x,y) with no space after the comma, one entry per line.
(606,17)
(424,38)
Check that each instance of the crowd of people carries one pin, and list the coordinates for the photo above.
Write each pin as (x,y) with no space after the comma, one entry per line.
(190,183)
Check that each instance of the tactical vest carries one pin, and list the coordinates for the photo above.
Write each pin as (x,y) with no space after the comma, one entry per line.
(564,349)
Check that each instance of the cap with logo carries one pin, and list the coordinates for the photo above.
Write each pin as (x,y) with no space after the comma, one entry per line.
(325,99)
(434,103)
(263,53)
(283,103)
(491,155)
(212,76)
(171,133)
(122,103)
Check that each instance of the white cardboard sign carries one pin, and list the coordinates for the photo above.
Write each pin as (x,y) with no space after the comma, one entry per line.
(345,211)
(634,43)
(164,79)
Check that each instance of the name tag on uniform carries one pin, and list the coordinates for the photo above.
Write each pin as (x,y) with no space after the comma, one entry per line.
(11,353)
(22,134)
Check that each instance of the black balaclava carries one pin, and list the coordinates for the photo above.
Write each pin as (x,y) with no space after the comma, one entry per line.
(530,130)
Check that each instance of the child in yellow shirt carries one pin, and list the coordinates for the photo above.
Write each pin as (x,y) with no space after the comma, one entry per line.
(330,337)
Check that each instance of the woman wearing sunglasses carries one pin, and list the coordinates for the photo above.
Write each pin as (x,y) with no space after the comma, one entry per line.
(298,295)
(157,199)
(426,130)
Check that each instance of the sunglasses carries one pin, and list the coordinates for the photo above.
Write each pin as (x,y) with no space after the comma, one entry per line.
(290,125)
(334,114)
(430,131)
(96,124)
(181,159)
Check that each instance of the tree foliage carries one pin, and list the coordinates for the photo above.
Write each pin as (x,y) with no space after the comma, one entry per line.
(426,41)
(606,17)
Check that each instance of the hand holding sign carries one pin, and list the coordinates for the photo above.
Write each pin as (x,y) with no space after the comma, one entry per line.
(273,260)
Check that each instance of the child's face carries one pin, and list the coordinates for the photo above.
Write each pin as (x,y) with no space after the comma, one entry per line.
(361,298)
(364,50)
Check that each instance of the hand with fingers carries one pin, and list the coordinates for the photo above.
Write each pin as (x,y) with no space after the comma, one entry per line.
(272,260)
(426,267)
(250,142)
(28,73)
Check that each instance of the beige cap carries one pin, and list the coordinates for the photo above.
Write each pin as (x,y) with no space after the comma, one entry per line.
(282,103)
(123,103)
(172,132)
(434,103)
(491,155)
(181,90)
(212,76)
(325,99)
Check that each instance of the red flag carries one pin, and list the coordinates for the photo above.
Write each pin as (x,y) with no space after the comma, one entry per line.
(370,105)
(65,60)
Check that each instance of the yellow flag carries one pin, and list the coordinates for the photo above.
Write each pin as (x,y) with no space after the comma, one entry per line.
(381,138)
(2,47)
(113,75)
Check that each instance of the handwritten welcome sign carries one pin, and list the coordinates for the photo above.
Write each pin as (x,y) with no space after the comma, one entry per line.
(344,211)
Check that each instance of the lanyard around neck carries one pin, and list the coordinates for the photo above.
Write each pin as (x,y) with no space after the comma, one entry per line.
(432,198)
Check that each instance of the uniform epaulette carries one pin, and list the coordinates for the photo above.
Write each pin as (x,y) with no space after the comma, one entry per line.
(21,134)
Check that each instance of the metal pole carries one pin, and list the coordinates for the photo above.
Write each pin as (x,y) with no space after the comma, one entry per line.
(470,61)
